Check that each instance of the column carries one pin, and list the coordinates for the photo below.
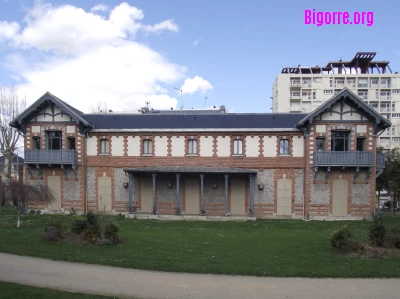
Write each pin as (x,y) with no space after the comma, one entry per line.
(202,193)
(226,193)
(154,193)
(130,192)
(251,193)
(177,208)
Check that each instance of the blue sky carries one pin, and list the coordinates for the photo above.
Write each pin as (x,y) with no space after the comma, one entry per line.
(230,52)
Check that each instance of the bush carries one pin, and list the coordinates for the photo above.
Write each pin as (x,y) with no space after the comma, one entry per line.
(342,239)
(32,212)
(111,230)
(38,212)
(51,234)
(61,228)
(394,237)
(92,219)
(79,225)
(377,233)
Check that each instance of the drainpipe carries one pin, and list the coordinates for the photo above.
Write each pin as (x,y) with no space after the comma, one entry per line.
(85,173)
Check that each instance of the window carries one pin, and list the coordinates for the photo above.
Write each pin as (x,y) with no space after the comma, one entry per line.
(328,91)
(237,147)
(340,141)
(320,143)
(192,147)
(360,144)
(71,144)
(374,81)
(363,82)
(396,91)
(104,146)
(36,143)
(54,140)
(317,80)
(147,147)
(284,147)
(385,82)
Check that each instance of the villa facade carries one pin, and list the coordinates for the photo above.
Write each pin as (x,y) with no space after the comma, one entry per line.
(323,164)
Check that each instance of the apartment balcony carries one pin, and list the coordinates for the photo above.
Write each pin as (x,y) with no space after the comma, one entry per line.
(295,84)
(295,96)
(384,98)
(51,157)
(295,108)
(348,159)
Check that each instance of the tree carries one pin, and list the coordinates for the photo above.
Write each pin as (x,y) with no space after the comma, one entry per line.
(99,108)
(11,105)
(390,178)
(18,194)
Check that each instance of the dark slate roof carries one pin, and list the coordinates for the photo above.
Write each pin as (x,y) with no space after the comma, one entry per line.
(189,169)
(202,121)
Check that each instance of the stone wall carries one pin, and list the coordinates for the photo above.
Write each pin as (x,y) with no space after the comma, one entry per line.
(121,193)
(319,193)
(299,186)
(360,194)
(212,195)
(71,190)
(91,183)
(266,178)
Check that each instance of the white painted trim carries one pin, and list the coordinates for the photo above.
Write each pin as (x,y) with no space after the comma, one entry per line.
(198,130)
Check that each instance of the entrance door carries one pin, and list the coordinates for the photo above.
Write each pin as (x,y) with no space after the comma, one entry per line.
(54,183)
(339,197)
(238,197)
(104,194)
(192,196)
(284,198)
(146,194)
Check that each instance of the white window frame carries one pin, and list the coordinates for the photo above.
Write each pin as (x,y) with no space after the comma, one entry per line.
(147,147)
(238,147)
(284,147)
(104,146)
(192,147)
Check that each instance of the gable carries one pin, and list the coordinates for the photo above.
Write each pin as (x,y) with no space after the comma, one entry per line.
(51,114)
(50,109)
(344,107)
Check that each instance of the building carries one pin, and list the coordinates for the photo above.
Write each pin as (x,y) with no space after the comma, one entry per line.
(303,89)
(197,165)
(17,167)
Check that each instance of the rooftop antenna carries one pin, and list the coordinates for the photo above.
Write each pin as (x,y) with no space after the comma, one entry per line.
(181,96)
(205,102)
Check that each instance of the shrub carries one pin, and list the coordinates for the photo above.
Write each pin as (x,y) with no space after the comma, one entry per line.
(111,230)
(394,237)
(377,233)
(92,219)
(61,228)
(32,212)
(38,212)
(92,232)
(79,225)
(51,234)
(342,239)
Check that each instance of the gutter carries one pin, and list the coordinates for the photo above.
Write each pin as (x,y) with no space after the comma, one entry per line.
(197,130)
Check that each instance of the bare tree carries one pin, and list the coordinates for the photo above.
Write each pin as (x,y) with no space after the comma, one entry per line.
(99,108)
(11,105)
(18,194)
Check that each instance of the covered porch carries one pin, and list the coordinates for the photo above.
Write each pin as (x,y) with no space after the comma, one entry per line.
(183,192)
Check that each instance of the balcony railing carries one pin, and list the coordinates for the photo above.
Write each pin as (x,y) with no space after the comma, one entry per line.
(51,157)
(348,159)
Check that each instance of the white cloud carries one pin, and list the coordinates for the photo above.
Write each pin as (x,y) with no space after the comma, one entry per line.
(197,84)
(196,42)
(99,7)
(8,30)
(83,57)
(165,25)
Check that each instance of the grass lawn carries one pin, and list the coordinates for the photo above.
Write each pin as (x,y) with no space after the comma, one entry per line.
(12,290)
(282,248)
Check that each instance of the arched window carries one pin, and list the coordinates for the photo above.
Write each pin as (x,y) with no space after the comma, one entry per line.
(147,146)
(237,147)
(284,147)
(192,147)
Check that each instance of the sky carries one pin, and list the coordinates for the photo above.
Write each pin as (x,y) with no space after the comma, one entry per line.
(216,52)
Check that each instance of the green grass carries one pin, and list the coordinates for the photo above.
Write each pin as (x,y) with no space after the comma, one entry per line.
(12,290)
(282,248)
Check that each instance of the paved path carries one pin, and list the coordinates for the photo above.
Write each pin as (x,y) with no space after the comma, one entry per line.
(150,284)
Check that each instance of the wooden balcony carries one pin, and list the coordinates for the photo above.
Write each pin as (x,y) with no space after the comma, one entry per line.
(51,157)
(348,159)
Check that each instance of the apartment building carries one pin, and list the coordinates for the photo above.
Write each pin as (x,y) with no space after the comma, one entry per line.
(197,165)
(303,89)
